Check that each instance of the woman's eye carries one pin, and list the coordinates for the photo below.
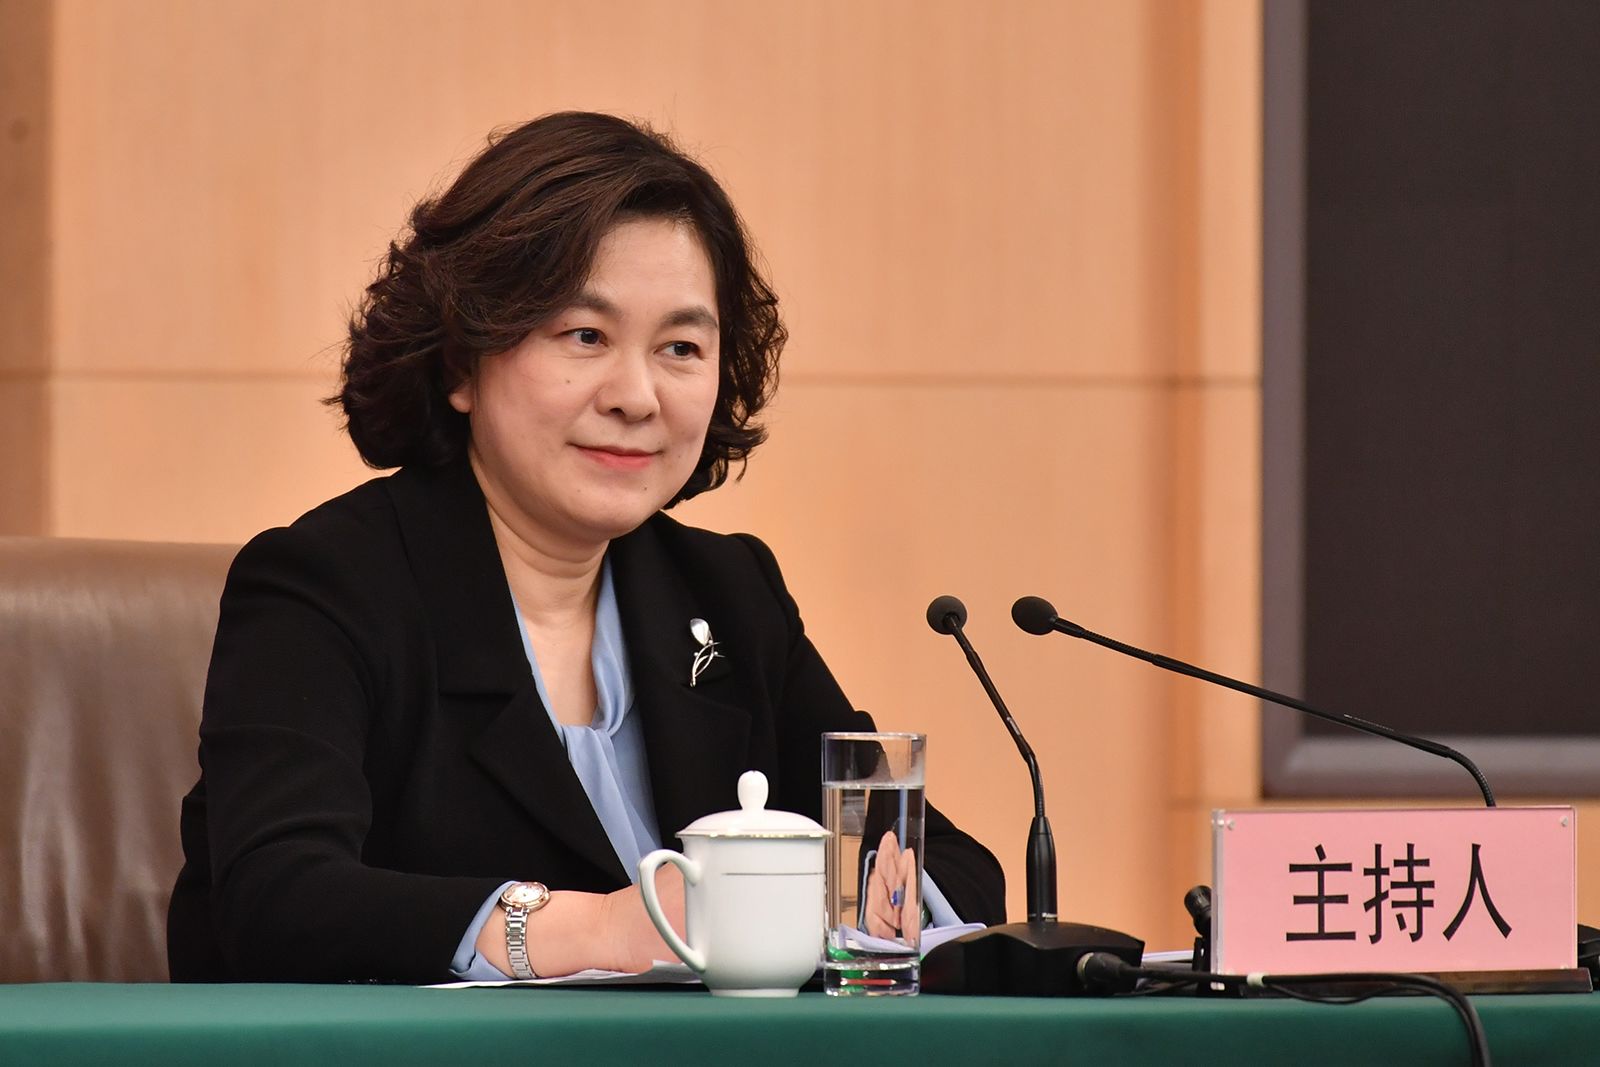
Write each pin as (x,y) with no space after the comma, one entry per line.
(683,349)
(587,336)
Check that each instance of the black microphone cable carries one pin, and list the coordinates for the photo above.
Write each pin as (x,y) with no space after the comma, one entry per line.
(1102,970)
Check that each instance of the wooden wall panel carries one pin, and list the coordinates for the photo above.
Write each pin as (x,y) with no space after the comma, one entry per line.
(193,459)
(25,129)
(24,451)
(933,180)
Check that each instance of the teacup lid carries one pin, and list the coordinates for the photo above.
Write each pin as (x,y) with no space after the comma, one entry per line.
(752,818)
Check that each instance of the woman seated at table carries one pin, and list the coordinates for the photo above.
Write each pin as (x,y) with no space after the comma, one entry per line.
(492,672)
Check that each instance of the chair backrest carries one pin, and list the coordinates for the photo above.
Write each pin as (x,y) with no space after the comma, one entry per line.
(103,654)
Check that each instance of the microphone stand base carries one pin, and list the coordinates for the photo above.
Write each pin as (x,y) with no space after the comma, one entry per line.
(1032,959)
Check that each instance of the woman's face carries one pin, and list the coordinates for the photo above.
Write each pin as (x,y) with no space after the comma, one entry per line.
(596,419)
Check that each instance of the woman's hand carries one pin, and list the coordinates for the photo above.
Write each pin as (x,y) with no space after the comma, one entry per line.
(579,931)
(893,907)
(631,942)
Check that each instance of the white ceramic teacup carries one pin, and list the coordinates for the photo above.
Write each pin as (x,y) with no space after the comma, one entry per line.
(753,896)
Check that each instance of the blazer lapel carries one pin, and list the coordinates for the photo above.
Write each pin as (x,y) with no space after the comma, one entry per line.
(520,749)
(445,525)
(696,737)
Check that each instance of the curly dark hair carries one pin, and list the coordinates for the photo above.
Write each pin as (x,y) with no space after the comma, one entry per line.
(507,246)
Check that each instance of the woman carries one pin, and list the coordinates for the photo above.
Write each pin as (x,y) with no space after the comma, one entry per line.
(448,710)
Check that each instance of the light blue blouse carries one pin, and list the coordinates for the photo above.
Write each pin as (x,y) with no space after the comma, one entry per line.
(608,753)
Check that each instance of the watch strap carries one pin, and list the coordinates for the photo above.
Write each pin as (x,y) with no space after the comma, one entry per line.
(517,944)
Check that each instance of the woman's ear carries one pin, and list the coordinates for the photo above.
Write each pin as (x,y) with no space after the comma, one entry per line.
(463,395)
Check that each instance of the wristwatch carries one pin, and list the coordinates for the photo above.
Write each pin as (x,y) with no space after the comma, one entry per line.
(520,900)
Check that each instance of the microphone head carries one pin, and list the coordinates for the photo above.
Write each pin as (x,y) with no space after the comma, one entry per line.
(1197,902)
(1035,615)
(946,614)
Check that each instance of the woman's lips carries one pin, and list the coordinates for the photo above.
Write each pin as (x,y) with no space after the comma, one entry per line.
(618,459)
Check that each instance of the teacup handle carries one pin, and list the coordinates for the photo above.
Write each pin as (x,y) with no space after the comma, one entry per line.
(652,903)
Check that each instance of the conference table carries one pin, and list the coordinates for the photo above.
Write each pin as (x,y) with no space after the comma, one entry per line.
(393,1026)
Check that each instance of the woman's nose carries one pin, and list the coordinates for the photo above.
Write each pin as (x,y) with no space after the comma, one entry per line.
(629,388)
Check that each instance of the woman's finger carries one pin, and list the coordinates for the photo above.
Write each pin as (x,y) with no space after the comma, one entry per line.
(911,906)
(889,867)
(881,915)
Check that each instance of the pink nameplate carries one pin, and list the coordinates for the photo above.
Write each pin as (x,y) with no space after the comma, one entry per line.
(1460,889)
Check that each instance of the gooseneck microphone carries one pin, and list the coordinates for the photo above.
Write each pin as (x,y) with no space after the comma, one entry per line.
(1038,957)
(947,615)
(1037,616)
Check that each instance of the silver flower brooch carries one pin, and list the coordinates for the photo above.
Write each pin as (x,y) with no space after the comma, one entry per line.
(707,651)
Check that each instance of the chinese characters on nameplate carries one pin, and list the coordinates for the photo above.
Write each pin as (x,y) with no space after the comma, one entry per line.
(1473,889)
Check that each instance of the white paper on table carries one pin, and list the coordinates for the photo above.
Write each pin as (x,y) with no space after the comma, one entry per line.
(660,973)
(675,973)
(932,938)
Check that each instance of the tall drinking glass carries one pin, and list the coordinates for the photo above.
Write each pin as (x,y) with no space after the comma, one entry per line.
(872,800)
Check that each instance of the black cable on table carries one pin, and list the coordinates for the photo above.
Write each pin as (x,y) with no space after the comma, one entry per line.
(1110,972)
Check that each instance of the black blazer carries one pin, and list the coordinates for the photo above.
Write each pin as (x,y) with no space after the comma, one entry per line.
(375,759)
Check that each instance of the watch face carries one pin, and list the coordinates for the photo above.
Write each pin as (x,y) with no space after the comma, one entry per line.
(524,895)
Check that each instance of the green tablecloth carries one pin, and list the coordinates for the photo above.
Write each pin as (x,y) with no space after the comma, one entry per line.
(393,1026)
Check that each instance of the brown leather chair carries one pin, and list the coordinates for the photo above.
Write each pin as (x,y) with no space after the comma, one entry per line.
(103,653)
